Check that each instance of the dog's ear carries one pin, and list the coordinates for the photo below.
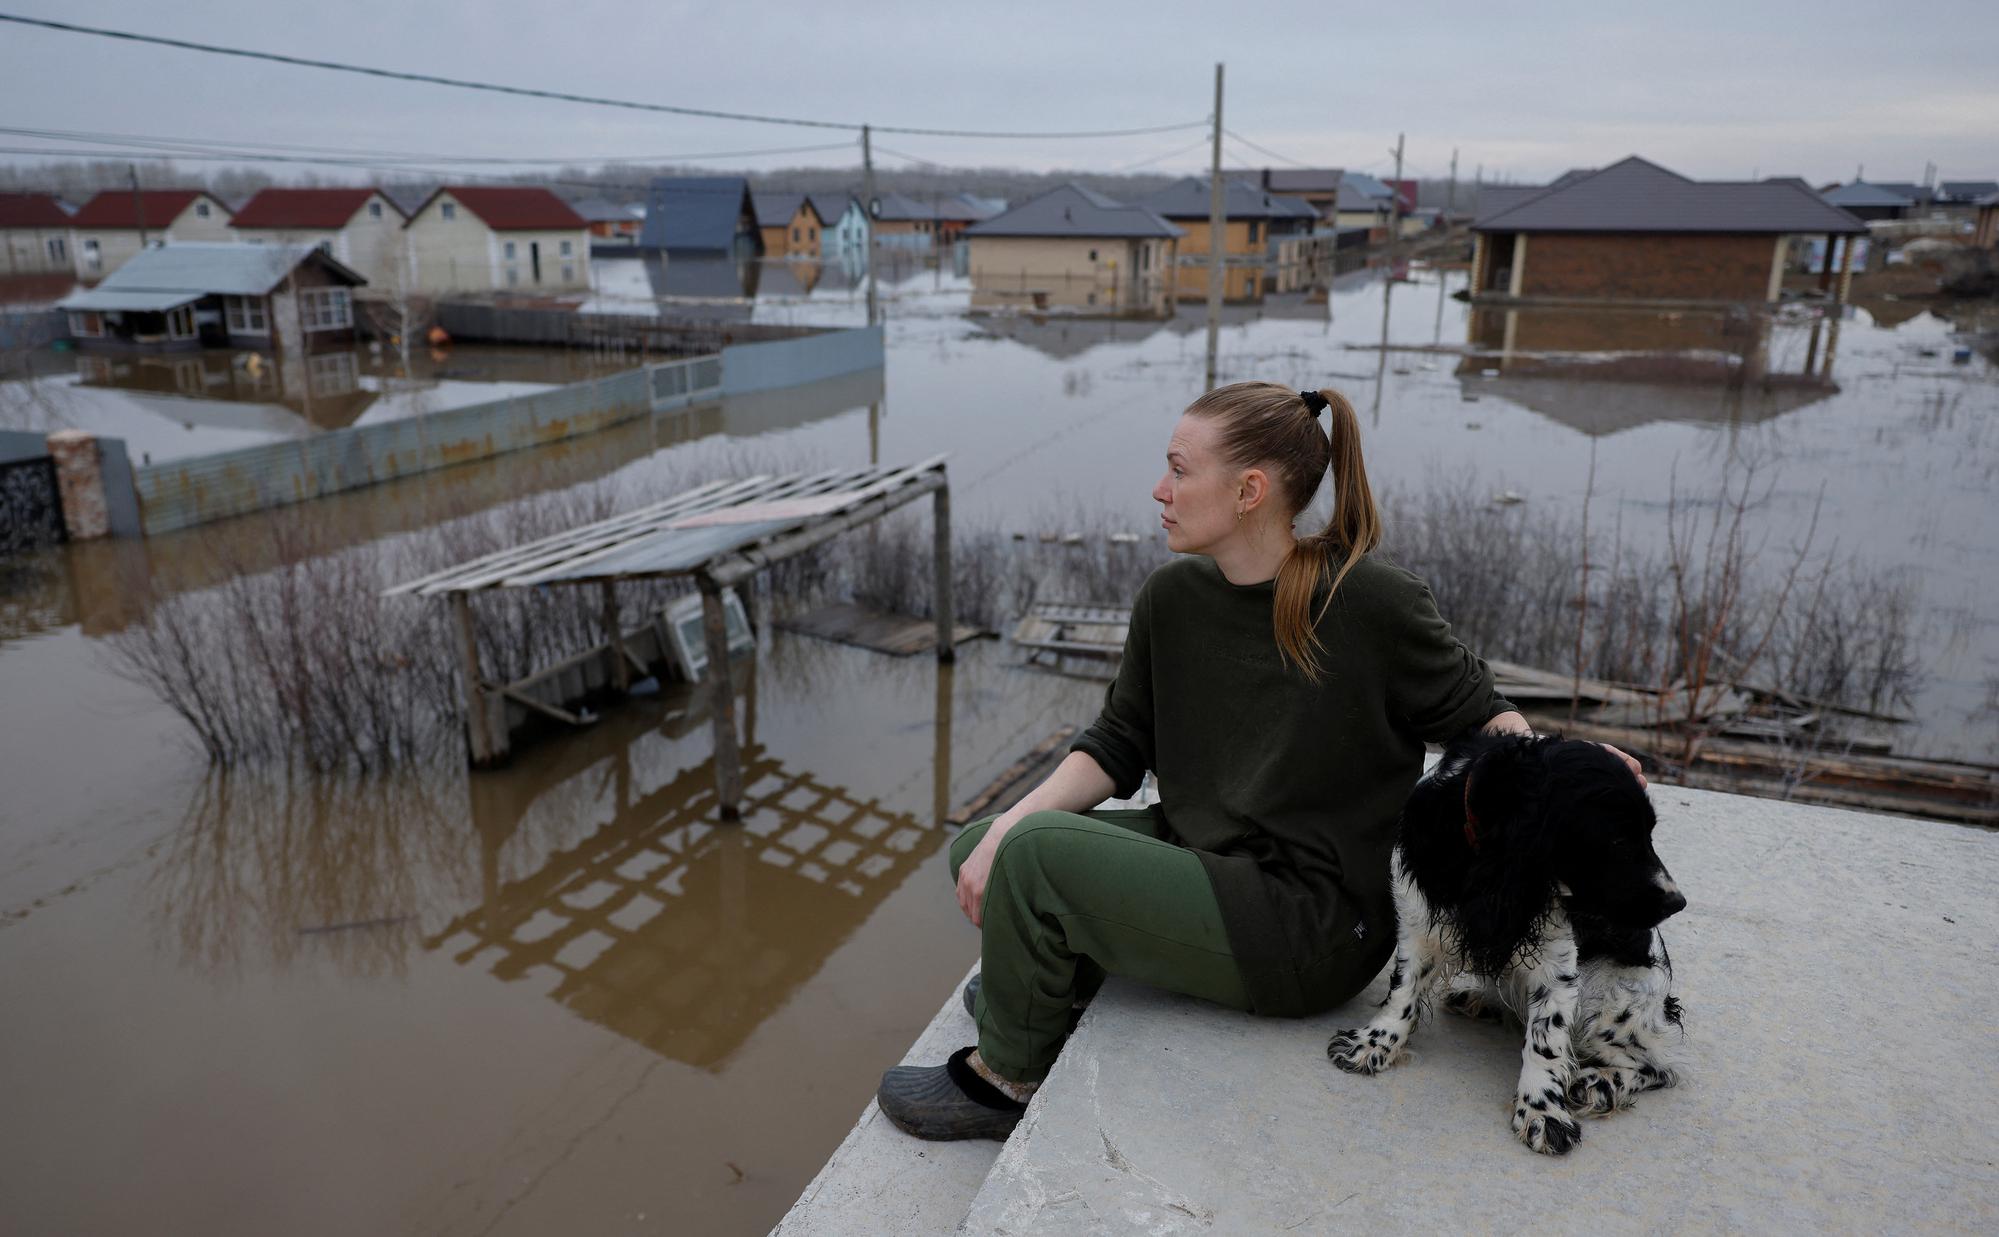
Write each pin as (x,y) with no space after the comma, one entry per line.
(1516,835)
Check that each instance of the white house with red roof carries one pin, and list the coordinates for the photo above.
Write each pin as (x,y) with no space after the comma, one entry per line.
(118,223)
(503,239)
(360,228)
(34,235)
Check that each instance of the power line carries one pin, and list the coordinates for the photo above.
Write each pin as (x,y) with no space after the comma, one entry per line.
(1148,162)
(565,96)
(1265,150)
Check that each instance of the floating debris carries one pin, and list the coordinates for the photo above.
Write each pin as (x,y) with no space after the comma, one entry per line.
(1508,498)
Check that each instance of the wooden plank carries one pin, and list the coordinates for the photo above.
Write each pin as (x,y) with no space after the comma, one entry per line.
(722,703)
(898,635)
(741,564)
(1036,764)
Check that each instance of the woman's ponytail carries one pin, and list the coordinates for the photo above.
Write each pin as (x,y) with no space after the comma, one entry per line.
(1353,530)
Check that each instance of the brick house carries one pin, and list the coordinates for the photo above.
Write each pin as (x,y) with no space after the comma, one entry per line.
(505,239)
(118,223)
(1253,219)
(1635,231)
(790,224)
(34,235)
(1072,248)
(361,228)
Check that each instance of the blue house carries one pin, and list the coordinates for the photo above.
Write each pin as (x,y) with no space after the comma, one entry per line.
(712,215)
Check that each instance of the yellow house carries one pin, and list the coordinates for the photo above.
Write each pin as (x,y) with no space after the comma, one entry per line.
(505,239)
(118,223)
(1074,249)
(1253,219)
(790,224)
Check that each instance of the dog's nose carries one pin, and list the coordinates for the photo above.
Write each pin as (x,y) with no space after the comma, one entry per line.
(1674,903)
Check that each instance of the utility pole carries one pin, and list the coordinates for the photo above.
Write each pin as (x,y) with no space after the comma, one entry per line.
(1395,215)
(1217,221)
(138,202)
(868,208)
(1451,198)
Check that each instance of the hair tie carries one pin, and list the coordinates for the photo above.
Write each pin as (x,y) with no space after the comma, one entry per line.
(1315,403)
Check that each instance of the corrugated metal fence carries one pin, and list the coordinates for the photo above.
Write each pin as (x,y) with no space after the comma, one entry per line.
(180,493)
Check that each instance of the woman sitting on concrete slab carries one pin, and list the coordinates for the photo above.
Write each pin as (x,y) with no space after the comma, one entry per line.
(1282,689)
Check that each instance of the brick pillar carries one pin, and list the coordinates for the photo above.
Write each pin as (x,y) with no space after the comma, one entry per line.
(80,479)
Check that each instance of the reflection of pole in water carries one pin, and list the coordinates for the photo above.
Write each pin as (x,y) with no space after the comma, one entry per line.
(1443,281)
(874,432)
(1381,365)
(940,798)
(1812,348)
(1831,347)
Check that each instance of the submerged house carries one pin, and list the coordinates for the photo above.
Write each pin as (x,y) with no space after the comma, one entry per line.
(1317,187)
(1073,248)
(1635,231)
(118,223)
(34,235)
(1256,224)
(494,238)
(790,224)
(281,300)
(844,223)
(361,228)
(709,215)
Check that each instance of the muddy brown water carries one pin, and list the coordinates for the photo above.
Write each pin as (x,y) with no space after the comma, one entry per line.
(556,997)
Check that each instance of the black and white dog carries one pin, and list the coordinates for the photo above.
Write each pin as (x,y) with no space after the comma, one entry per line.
(1524,876)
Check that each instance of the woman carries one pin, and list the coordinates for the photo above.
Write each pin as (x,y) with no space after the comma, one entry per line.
(1282,688)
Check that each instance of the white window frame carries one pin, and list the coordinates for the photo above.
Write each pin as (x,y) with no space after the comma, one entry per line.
(507,250)
(374,210)
(93,254)
(58,249)
(246,315)
(201,210)
(448,209)
(326,309)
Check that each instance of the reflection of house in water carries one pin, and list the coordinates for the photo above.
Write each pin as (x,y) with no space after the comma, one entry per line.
(1067,337)
(1603,370)
(323,389)
(723,284)
(661,926)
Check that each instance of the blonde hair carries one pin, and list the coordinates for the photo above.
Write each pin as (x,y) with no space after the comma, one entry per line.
(1264,424)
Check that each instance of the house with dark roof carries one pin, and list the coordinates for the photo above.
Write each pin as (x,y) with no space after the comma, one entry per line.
(278,300)
(609,220)
(34,235)
(1635,231)
(1868,203)
(497,238)
(118,223)
(1986,231)
(710,215)
(790,225)
(845,227)
(1256,222)
(1318,186)
(1075,249)
(360,227)
(1965,192)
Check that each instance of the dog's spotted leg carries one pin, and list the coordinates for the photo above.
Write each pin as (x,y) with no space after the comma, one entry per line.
(1540,1105)
(1420,965)
(1477,999)
(1622,1039)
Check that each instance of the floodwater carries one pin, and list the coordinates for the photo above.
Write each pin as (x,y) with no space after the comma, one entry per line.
(556,997)
(169,405)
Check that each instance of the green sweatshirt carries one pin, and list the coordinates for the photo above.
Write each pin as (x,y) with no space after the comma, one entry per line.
(1289,792)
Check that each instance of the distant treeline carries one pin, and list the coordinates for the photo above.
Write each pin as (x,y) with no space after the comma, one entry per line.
(77,180)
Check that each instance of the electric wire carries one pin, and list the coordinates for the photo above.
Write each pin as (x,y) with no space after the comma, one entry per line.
(563,96)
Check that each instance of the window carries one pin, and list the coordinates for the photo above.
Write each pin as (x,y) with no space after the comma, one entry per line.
(245,315)
(566,250)
(1093,255)
(93,257)
(201,210)
(513,276)
(1253,226)
(87,323)
(326,247)
(449,210)
(374,210)
(332,374)
(568,273)
(510,251)
(58,249)
(326,309)
(795,238)
(180,323)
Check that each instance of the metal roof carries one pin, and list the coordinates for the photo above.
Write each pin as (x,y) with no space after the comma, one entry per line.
(129,301)
(122,208)
(1860,193)
(32,210)
(1362,183)
(774,210)
(194,271)
(509,208)
(1188,198)
(832,207)
(1071,210)
(700,530)
(694,212)
(1634,195)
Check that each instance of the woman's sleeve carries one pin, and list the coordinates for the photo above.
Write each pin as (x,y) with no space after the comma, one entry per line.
(1437,688)
(1120,740)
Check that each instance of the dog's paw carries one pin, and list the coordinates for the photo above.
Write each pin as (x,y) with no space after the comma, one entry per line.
(1472,1003)
(1364,1050)
(1548,1129)
(1599,1090)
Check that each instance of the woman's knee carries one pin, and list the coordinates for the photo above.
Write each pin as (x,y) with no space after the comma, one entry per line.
(1028,841)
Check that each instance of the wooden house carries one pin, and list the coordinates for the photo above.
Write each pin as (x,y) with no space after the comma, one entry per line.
(278,299)
(790,225)
(1253,220)
(361,228)
(1635,231)
(1073,248)
(118,223)
(609,221)
(34,235)
(497,239)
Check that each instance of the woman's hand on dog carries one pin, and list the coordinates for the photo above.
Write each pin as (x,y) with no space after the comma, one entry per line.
(1637,770)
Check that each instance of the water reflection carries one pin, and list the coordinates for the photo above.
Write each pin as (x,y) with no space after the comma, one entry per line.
(1600,371)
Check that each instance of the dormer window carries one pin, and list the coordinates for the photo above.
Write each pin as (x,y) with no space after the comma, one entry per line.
(449,210)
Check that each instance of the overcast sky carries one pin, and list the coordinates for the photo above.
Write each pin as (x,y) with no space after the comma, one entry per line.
(1729,89)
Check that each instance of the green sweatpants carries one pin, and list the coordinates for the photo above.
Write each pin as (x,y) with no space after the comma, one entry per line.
(1073,897)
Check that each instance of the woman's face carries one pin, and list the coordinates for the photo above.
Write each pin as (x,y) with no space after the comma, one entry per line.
(1198,494)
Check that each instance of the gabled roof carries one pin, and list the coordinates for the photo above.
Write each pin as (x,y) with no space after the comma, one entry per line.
(1966,190)
(1368,186)
(32,210)
(1497,199)
(1188,198)
(1071,210)
(892,207)
(694,212)
(1351,199)
(603,210)
(170,275)
(830,207)
(1634,195)
(774,210)
(1302,180)
(120,208)
(964,208)
(304,208)
(510,208)
(1860,193)
(1906,188)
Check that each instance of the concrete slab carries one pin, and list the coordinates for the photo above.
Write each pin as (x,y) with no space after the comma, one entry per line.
(1841,1049)
(883,1183)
